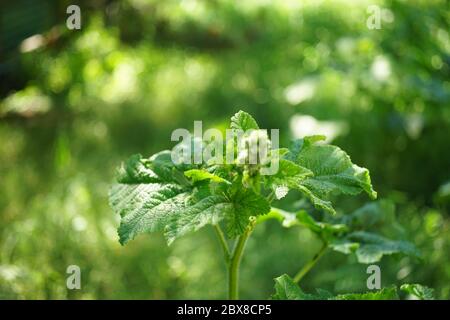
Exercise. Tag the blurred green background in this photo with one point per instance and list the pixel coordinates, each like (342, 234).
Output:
(74, 104)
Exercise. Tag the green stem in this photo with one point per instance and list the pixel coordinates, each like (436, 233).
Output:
(223, 243)
(271, 196)
(307, 267)
(233, 266)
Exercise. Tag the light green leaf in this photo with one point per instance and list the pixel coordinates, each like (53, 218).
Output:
(289, 174)
(418, 291)
(323, 228)
(287, 289)
(134, 171)
(316, 200)
(243, 121)
(371, 214)
(343, 246)
(383, 294)
(302, 218)
(373, 247)
(210, 210)
(145, 207)
(333, 172)
(201, 174)
(297, 145)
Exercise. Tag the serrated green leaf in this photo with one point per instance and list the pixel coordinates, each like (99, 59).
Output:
(246, 204)
(133, 170)
(289, 169)
(371, 214)
(145, 207)
(161, 163)
(316, 200)
(297, 145)
(383, 294)
(322, 228)
(287, 289)
(333, 172)
(243, 121)
(201, 174)
(373, 247)
(370, 247)
(210, 210)
(343, 246)
(418, 291)
(289, 174)
(302, 218)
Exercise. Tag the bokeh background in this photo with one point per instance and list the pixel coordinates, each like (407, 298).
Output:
(74, 104)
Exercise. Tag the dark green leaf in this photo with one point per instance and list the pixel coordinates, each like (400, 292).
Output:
(246, 204)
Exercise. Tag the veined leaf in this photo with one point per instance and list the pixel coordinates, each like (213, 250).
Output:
(287, 289)
(134, 171)
(289, 219)
(323, 228)
(161, 163)
(343, 246)
(243, 121)
(290, 169)
(418, 291)
(371, 214)
(316, 200)
(368, 247)
(246, 204)
(145, 207)
(201, 174)
(383, 294)
(372, 247)
(333, 172)
(289, 174)
(191, 218)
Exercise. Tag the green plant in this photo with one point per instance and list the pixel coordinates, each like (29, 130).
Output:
(155, 194)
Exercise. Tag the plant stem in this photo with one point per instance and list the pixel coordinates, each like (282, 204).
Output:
(307, 267)
(223, 243)
(233, 266)
(271, 196)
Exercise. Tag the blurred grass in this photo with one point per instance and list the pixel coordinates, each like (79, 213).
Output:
(74, 104)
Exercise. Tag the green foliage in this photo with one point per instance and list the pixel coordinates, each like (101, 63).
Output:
(151, 196)
(243, 121)
(345, 235)
(418, 291)
(75, 104)
(333, 172)
(371, 247)
(177, 206)
(287, 289)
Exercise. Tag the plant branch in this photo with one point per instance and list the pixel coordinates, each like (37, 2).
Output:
(223, 243)
(271, 196)
(233, 267)
(307, 267)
